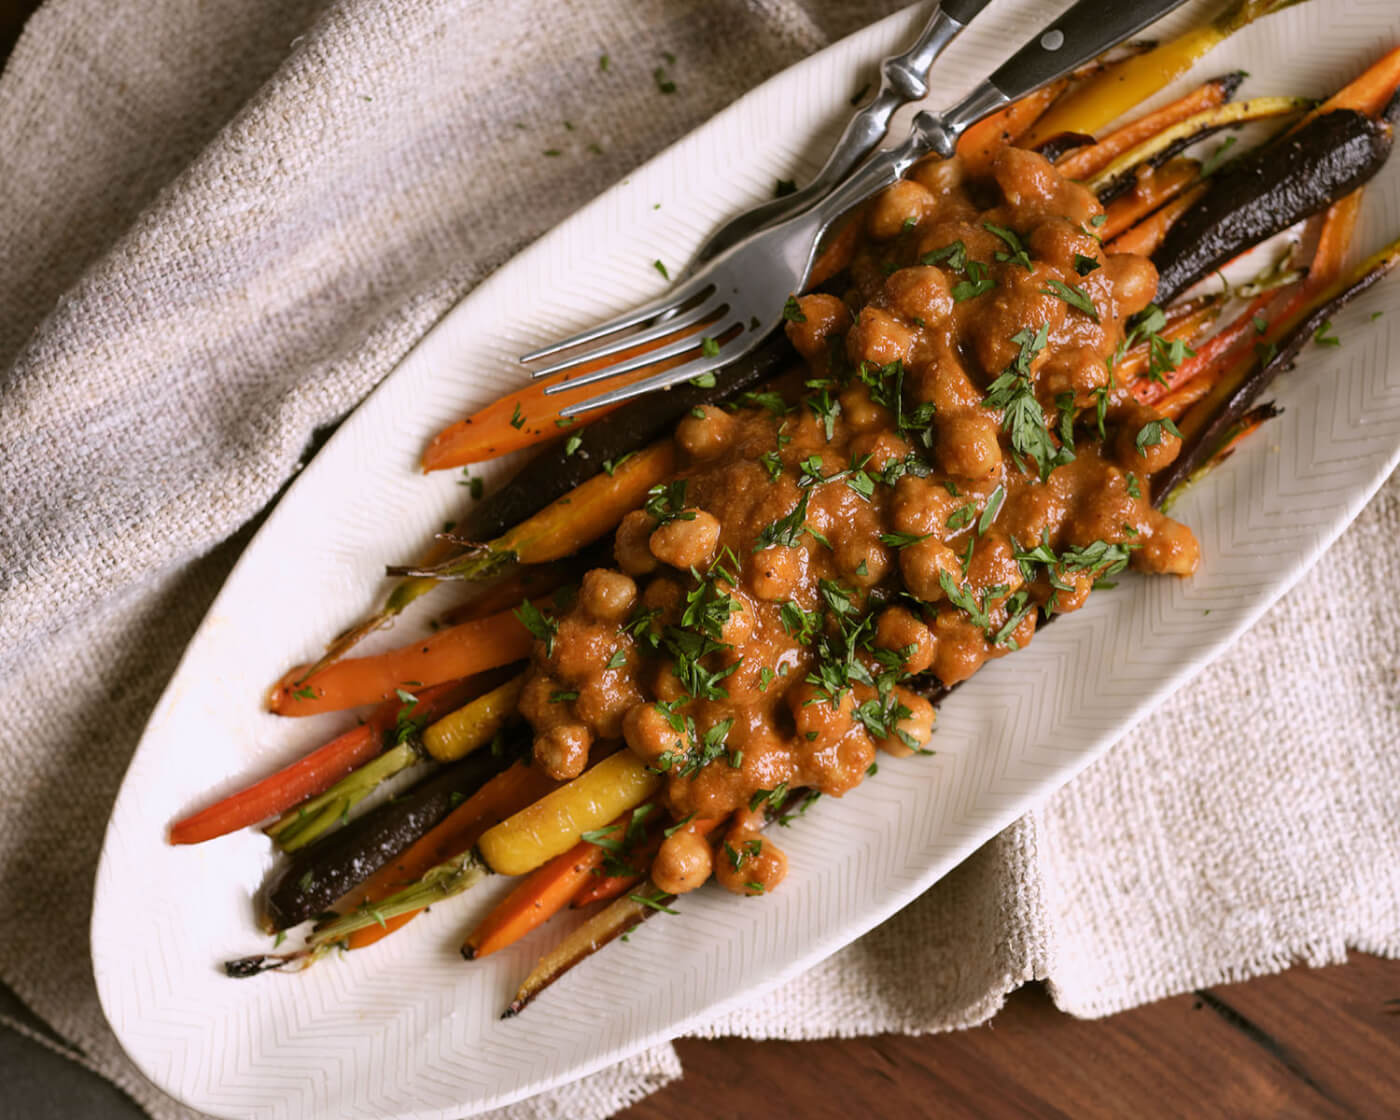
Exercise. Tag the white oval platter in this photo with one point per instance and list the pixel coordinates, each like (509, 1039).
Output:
(407, 1029)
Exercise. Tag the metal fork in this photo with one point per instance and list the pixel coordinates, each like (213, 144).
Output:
(903, 78)
(739, 296)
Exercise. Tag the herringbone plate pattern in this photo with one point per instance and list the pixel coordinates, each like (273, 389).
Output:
(408, 1029)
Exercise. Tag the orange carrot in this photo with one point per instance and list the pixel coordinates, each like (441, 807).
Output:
(527, 416)
(1144, 237)
(472, 647)
(1210, 354)
(1153, 188)
(540, 895)
(1370, 93)
(981, 143)
(1080, 163)
(1173, 404)
(504, 795)
(1190, 327)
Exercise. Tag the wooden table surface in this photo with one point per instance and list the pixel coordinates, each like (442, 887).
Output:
(1305, 1043)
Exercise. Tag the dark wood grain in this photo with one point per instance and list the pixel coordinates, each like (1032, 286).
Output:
(1307, 1042)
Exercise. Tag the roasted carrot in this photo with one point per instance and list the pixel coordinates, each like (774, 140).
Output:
(1176, 402)
(1106, 180)
(312, 775)
(278, 792)
(472, 647)
(1120, 86)
(1189, 327)
(529, 416)
(1236, 389)
(613, 921)
(504, 795)
(1238, 337)
(590, 510)
(1153, 187)
(541, 895)
(980, 143)
(514, 587)
(1083, 162)
(1144, 237)
(1371, 93)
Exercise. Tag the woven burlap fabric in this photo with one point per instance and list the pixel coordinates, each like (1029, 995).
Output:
(223, 223)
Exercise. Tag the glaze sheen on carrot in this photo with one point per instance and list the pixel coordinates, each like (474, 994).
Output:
(1152, 188)
(1092, 158)
(471, 647)
(530, 416)
(538, 897)
(278, 792)
(980, 143)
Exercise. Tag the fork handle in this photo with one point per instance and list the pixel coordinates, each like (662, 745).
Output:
(1076, 37)
(1086, 30)
(903, 78)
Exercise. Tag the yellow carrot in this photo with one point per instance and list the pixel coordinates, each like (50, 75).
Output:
(557, 821)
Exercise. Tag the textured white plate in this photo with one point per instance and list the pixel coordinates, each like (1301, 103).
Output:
(407, 1029)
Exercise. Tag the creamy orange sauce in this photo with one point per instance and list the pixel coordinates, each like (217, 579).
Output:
(898, 513)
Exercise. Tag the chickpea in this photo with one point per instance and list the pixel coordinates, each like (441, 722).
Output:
(776, 571)
(920, 563)
(861, 560)
(899, 629)
(1171, 548)
(562, 752)
(1134, 281)
(902, 202)
(879, 449)
(630, 547)
(648, 731)
(740, 623)
(939, 176)
(920, 294)
(968, 443)
(666, 595)
(607, 595)
(604, 700)
(822, 317)
(920, 505)
(880, 338)
(912, 731)
(1153, 454)
(683, 862)
(687, 543)
(750, 864)
(580, 647)
(994, 563)
(960, 648)
(818, 718)
(706, 435)
(859, 411)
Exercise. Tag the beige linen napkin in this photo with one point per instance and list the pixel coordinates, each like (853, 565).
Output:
(223, 223)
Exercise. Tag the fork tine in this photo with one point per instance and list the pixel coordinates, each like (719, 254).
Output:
(640, 361)
(733, 351)
(669, 325)
(676, 297)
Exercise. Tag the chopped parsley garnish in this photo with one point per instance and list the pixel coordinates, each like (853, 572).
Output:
(710, 348)
(787, 531)
(771, 797)
(663, 83)
(1134, 489)
(517, 418)
(661, 268)
(705, 380)
(617, 660)
(979, 280)
(656, 901)
(772, 462)
(1022, 415)
(991, 509)
(666, 502)
(1325, 336)
(541, 625)
(954, 255)
(1151, 433)
(1084, 265)
(1018, 254)
(785, 187)
(563, 695)
(902, 540)
(792, 311)
(572, 444)
(1076, 297)
(964, 600)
